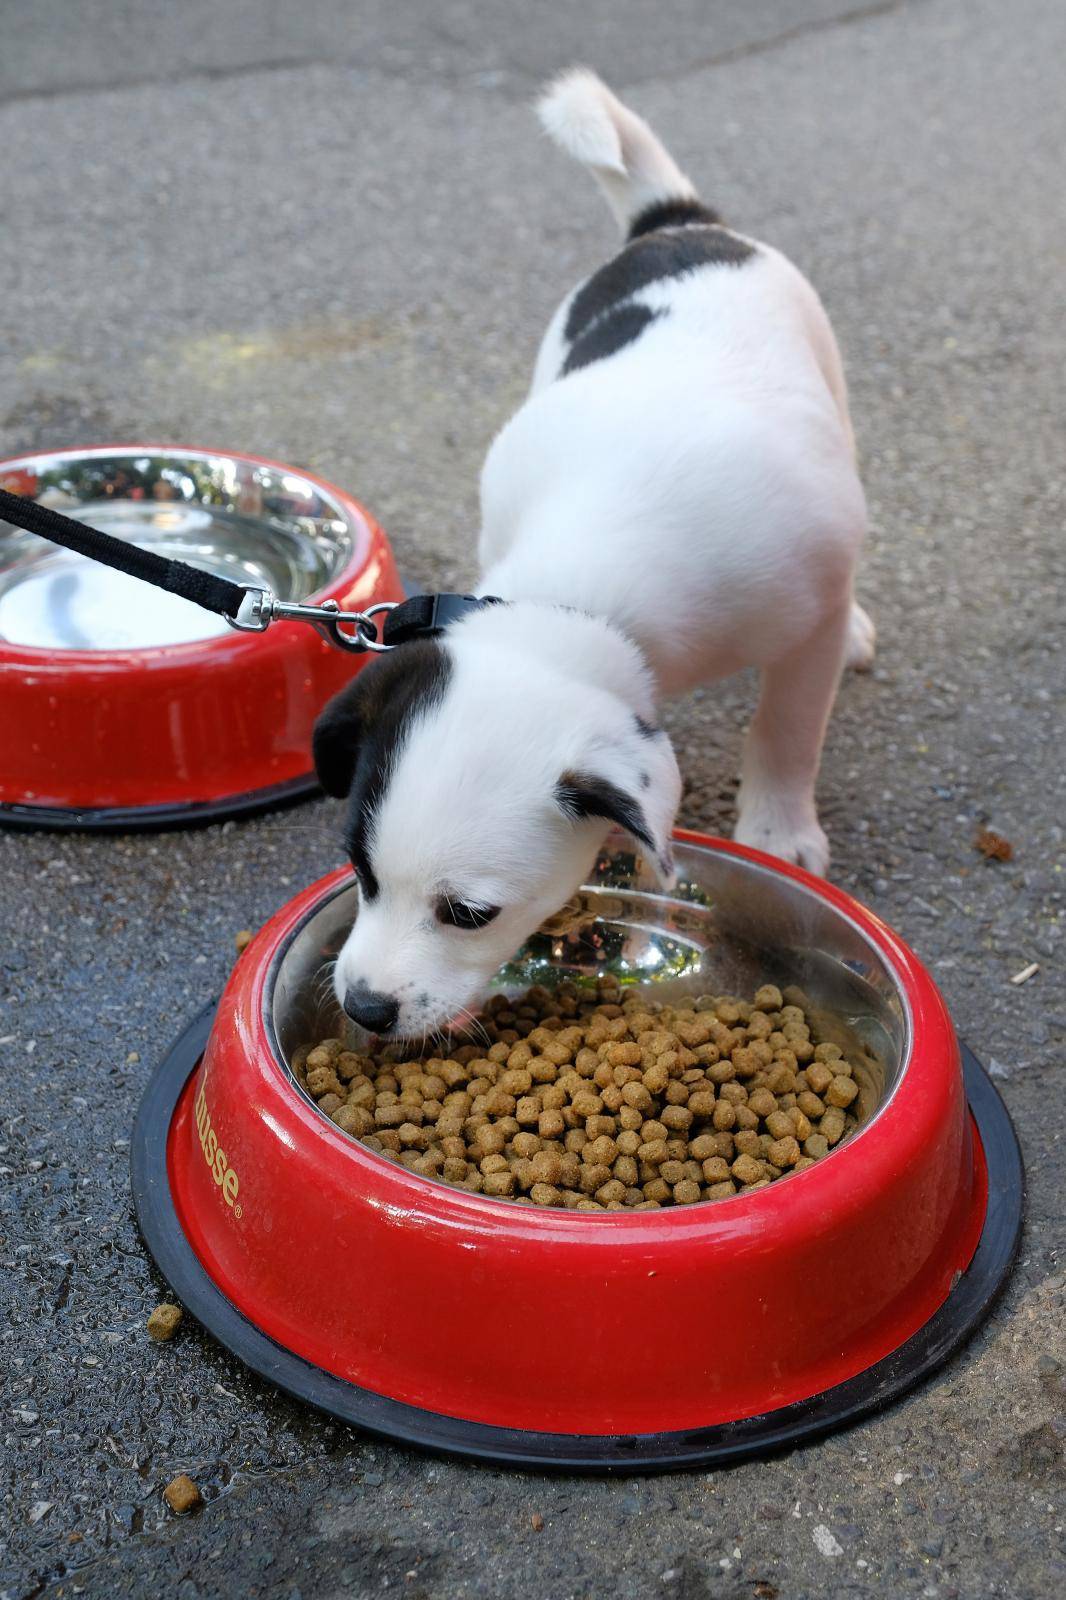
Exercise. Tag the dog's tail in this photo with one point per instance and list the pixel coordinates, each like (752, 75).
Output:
(636, 173)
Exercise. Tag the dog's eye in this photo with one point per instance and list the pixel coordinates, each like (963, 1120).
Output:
(456, 914)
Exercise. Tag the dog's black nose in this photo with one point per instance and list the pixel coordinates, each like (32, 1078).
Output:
(372, 1010)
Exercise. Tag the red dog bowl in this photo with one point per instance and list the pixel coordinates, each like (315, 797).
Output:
(123, 706)
(622, 1339)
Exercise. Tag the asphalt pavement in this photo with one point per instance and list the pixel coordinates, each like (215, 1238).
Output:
(331, 234)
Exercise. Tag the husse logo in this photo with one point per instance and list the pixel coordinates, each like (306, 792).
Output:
(215, 1156)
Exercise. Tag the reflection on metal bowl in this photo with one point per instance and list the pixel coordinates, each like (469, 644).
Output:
(124, 706)
(725, 928)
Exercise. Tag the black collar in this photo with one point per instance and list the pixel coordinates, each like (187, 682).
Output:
(424, 616)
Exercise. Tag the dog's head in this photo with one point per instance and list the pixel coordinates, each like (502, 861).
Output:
(478, 795)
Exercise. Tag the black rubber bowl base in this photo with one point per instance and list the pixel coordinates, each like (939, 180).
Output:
(151, 819)
(961, 1314)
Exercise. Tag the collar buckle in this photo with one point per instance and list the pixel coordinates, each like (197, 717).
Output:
(260, 607)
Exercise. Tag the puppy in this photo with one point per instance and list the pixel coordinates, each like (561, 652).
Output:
(676, 499)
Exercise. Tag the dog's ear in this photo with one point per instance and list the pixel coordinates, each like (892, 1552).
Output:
(336, 739)
(635, 785)
(369, 716)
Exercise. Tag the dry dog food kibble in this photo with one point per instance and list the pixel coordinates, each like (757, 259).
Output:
(599, 1100)
(181, 1494)
(164, 1320)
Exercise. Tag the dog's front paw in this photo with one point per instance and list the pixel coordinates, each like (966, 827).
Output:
(862, 640)
(801, 841)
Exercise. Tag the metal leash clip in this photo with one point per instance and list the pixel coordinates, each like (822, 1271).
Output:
(261, 607)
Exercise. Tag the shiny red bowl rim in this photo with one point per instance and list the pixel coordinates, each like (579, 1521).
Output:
(189, 651)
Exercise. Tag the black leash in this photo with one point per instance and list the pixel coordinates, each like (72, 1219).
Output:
(202, 588)
(250, 610)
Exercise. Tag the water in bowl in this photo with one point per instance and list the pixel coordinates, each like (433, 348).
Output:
(54, 599)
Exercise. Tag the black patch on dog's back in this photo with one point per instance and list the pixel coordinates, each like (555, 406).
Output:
(359, 733)
(602, 318)
(609, 334)
(651, 259)
(672, 214)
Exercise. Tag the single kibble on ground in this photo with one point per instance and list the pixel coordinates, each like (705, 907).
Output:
(164, 1320)
(243, 939)
(181, 1494)
(599, 1098)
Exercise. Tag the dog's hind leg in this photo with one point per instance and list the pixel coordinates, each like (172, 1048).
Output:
(862, 640)
(776, 806)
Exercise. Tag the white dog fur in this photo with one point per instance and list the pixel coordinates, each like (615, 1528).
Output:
(677, 499)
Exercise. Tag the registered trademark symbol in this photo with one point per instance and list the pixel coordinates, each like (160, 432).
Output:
(237, 1212)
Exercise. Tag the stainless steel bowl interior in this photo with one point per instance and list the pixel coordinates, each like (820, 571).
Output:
(727, 927)
(258, 525)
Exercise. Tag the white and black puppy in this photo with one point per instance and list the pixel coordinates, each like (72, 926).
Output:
(677, 499)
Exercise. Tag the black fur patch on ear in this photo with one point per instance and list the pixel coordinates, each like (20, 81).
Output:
(335, 741)
(580, 795)
(359, 732)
